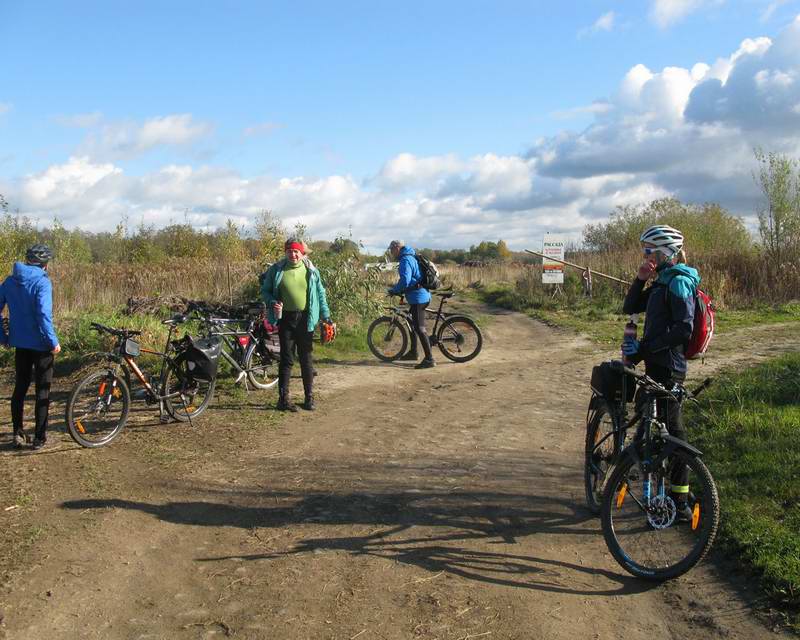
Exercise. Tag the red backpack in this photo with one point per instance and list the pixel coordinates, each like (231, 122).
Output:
(703, 329)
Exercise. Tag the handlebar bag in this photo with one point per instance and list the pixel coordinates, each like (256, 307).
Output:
(131, 348)
(608, 382)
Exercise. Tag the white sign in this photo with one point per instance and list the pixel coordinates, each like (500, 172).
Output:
(552, 247)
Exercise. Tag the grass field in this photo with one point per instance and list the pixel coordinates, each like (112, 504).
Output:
(748, 430)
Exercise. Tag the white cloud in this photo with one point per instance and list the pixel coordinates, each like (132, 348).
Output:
(126, 139)
(80, 120)
(597, 107)
(665, 13)
(603, 23)
(261, 129)
(5, 107)
(767, 14)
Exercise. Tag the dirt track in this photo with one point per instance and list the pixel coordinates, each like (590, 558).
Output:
(440, 504)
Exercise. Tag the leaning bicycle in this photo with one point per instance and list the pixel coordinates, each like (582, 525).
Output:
(98, 405)
(249, 343)
(457, 336)
(660, 507)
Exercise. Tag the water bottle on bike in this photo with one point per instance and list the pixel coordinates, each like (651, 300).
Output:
(629, 334)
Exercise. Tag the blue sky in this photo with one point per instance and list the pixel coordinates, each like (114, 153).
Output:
(443, 123)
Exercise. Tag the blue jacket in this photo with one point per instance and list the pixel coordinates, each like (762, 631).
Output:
(410, 276)
(669, 307)
(317, 305)
(29, 296)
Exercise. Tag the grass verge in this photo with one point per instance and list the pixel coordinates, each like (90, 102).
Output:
(604, 324)
(748, 432)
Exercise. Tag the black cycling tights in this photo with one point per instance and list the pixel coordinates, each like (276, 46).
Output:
(36, 365)
(418, 325)
(671, 413)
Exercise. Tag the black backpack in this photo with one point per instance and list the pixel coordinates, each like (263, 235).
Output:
(429, 274)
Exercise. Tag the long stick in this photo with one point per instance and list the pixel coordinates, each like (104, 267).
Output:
(577, 266)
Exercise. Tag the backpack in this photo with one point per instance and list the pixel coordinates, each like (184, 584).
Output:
(429, 274)
(703, 327)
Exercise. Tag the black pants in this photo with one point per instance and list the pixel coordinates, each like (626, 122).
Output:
(672, 414)
(36, 365)
(293, 331)
(419, 330)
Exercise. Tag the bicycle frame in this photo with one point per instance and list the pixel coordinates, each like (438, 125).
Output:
(399, 311)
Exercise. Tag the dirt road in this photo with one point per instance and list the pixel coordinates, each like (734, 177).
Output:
(440, 504)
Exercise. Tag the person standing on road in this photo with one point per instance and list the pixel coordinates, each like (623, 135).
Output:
(29, 296)
(417, 297)
(295, 297)
(669, 304)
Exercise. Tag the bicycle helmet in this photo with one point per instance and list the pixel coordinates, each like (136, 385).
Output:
(38, 254)
(667, 240)
(327, 331)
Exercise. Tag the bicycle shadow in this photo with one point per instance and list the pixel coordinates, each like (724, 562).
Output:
(457, 519)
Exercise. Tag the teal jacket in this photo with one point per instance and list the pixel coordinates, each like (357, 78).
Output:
(317, 304)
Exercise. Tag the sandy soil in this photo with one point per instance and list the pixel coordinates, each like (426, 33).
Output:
(441, 504)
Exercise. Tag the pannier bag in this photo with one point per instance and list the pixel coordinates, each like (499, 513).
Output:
(202, 357)
(607, 382)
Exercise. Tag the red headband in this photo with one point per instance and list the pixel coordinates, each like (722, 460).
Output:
(297, 246)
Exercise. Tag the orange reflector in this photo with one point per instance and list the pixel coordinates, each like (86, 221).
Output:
(116, 392)
(190, 409)
(102, 389)
(80, 426)
(621, 495)
(695, 516)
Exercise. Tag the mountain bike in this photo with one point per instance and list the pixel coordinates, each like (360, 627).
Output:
(98, 405)
(660, 507)
(458, 337)
(249, 344)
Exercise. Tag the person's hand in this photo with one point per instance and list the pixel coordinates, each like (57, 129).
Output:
(277, 306)
(630, 346)
(57, 350)
(646, 271)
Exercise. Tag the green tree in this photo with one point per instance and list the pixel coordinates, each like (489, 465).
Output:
(779, 217)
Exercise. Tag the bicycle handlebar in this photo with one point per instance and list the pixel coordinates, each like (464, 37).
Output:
(648, 382)
(123, 333)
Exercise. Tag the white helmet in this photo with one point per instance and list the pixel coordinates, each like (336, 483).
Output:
(668, 240)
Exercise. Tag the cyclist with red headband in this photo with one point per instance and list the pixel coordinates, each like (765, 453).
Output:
(295, 297)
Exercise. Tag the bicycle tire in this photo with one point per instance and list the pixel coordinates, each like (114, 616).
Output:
(707, 510)
(264, 375)
(450, 335)
(84, 414)
(189, 388)
(599, 454)
(387, 338)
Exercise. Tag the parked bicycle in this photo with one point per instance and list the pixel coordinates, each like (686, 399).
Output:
(250, 344)
(98, 406)
(458, 337)
(651, 532)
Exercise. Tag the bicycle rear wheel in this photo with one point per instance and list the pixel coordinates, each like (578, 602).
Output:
(459, 338)
(663, 539)
(97, 408)
(602, 446)
(186, 397)
(387, 338)
(261, 367)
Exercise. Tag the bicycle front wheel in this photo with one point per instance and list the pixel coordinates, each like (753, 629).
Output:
(186, 397)
(657, 529)
(459, 338)
(602, 446)
(97, 408)
(387, 338)
(261, 367)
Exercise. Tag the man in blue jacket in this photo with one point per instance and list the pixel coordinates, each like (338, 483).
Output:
(417, 298)
(29, 296)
